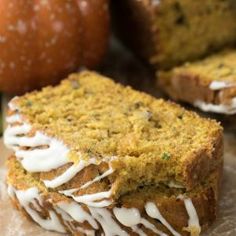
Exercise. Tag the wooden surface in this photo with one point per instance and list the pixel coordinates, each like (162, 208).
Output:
(122, 66)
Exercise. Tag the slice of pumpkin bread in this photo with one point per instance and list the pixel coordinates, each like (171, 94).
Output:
(152, 210)
(89, 133)
(209, 84)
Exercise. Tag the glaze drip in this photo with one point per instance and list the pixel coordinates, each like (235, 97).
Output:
(113, 221)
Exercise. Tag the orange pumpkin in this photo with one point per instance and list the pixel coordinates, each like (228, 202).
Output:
(43, 40)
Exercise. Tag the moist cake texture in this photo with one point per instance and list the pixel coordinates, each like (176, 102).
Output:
(92, 157)
(209, 84)
(146, 211)
(169, 32)
(89, 124)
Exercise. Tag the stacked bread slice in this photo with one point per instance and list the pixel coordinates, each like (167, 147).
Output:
(95, 158)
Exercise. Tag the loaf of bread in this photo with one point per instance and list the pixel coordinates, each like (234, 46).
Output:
(166, 33)
(135, 164)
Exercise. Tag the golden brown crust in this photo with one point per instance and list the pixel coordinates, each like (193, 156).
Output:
(202, 166)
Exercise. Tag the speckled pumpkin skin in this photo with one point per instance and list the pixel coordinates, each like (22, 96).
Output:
(41, 41)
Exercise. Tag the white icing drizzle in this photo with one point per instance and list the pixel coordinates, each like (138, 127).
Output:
(193, 217)
(131, 218)
(13, 118)
(221, 108)
(154, 212)
(11, 135)
(77, 213)
(67, 220)
(28, 196)
(73, 212)
(138, 231)
(41, 162)
(98, 178)
(152, 227)
(217, 85)
(104, 217)
(69, 192)
(90, 199)
(36, 160)
(228, 109)
(193, 222)
(68, 174)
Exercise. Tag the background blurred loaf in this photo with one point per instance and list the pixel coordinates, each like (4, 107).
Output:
(169, 32)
